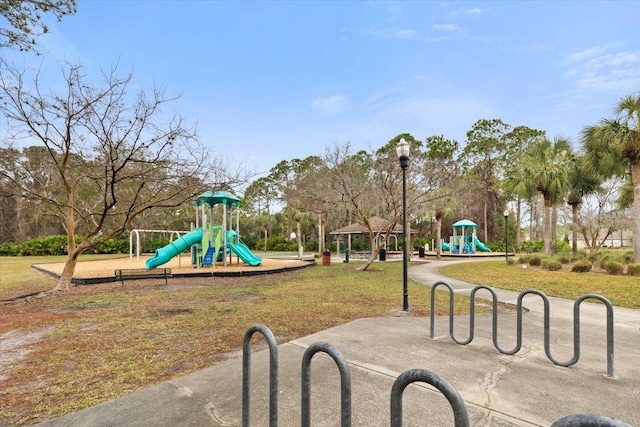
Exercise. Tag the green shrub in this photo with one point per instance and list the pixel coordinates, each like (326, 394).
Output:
(602, 263)
(627, 257)
(155, 241)
(50, 245)
(562, 246)
(524, 259)
(533, 246)
(9, 249)
(581, 267)
(563, 259)
(535, 261)
(112, 246)
(580, 255)
(551, 265)
(511, 261)
(633, 270)
(614, 267)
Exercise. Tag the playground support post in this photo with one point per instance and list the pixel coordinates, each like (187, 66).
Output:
(402, 149)
(506, 236)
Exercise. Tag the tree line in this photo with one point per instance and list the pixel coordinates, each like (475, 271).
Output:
(500, 167)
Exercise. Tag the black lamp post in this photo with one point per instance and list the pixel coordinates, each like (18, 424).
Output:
(506, 236)
(402, 149)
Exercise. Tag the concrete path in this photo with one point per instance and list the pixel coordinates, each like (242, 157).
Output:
(499, 390)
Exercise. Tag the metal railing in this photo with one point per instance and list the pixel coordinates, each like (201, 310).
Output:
(518, 346)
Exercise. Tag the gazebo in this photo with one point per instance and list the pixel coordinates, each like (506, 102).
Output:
(378, 225)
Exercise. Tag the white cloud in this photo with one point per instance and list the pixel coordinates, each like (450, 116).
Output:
(474, 11)
(585, 54)
(446, 27)
(394, 33)
(406, 34)
(334, 104)
(600, 69)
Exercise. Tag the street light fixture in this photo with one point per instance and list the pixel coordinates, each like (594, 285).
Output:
(402, 149)
(506, 236)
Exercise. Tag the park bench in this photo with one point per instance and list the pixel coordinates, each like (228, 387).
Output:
(143, 273)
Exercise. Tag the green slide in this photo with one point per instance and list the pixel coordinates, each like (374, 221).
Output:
(164, 255)
(242, 250)
(245, 254)
(480, 246)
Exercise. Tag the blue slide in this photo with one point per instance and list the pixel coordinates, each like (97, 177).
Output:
(480, 246)
(164, 255)
(445, 246)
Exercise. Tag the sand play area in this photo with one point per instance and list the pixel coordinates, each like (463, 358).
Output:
(178, 265)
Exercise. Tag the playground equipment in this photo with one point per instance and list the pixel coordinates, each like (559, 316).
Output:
(464, 239)
(136, 232)
(209, 243)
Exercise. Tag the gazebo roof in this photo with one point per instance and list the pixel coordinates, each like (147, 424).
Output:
(377, 225)
(213, 198)
(465, 223)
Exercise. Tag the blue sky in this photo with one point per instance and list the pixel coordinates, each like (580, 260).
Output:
(270, 81)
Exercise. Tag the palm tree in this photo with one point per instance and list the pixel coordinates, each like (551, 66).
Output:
(583, 182)
(545, 168)
(612, 148)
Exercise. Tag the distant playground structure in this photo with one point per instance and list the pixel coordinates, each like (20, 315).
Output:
(209, 243)
(464, 239)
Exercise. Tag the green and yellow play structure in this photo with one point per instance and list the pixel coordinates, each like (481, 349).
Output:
(210, 243)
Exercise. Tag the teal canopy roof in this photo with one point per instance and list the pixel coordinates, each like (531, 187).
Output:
(213, 198)
(465, 223)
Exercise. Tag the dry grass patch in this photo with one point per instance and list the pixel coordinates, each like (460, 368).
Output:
(101, 342)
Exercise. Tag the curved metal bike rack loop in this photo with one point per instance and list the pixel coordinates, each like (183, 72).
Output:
(345, 382)
(273, 374)
(460, 415)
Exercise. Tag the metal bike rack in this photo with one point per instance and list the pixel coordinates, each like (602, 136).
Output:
(461, 417)
(545, 300)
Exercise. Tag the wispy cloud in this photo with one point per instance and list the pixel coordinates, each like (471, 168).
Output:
(473, 11)
(330, 105)
(446, 27)
(394, 33)
(601, 68)
(585, 54)
(476, 11)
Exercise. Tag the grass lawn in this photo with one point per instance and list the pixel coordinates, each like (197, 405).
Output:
(99, 342)
(18, 278)
(623, 291)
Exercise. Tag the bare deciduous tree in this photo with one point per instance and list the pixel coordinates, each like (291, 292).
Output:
(112, 155)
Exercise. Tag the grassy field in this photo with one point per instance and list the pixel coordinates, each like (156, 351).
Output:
(96, 343)
(622, 291)
(99, 342)
(17, 277)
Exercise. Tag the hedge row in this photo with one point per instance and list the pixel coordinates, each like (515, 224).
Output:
(57, 245)
(580, 266)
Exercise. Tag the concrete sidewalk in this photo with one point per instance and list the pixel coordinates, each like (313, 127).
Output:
(499, 390)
